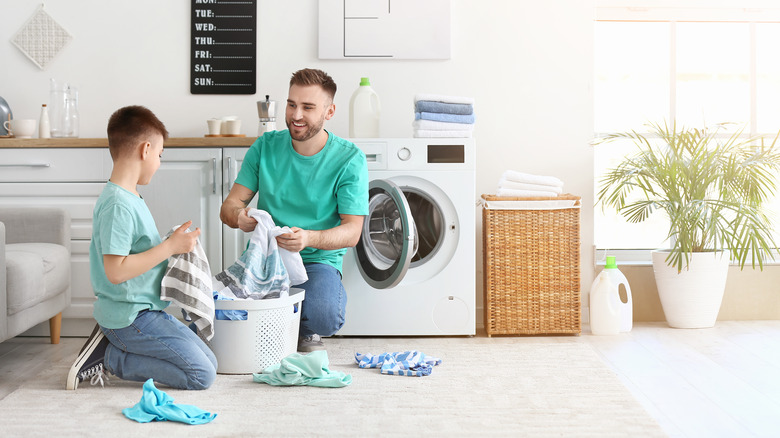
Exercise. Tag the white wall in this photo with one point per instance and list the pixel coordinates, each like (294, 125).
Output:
(528, 64)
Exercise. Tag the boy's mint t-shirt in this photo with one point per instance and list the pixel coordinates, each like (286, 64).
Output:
(307, 192)
(122, 225)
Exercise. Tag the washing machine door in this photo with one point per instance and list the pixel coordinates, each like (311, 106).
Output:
(389, 238)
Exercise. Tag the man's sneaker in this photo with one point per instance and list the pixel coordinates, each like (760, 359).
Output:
(310, 343)
(89, 362)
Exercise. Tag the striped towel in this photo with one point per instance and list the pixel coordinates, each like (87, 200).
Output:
(187, 284)
(263, 270)
(406, 363)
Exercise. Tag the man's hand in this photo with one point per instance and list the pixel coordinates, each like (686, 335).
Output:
(295, 241)
(245, 222)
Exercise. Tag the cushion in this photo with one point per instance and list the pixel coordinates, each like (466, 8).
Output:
(35, 272)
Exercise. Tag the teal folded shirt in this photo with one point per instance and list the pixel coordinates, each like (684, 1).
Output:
(156, 405)
(298, 369)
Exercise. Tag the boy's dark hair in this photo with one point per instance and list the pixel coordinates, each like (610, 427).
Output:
(312, 76)
(131, 125)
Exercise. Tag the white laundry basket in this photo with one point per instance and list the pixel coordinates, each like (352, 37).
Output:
(269, 333)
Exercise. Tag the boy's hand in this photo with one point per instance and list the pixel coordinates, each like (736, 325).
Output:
(246, 223)
(182, 242)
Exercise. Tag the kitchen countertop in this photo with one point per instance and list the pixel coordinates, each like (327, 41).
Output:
(103, 142)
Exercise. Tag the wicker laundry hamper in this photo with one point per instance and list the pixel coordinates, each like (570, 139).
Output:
(531, 265)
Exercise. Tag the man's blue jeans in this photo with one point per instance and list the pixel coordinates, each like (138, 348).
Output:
(158, 346)
(323, 308)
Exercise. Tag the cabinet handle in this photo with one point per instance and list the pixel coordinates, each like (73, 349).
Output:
(230, 173)
(26, 165)
(214, 176)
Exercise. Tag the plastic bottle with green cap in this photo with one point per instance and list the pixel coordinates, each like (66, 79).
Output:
(623, 296)
(364, 111)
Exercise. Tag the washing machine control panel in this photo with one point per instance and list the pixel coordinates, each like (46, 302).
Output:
(410, 154)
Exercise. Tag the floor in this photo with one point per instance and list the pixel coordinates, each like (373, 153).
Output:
(718, 382)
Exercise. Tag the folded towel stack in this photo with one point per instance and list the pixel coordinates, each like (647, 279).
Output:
(520, 184)
(443, 116)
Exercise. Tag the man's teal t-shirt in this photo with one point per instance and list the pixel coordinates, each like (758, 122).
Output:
(122, 225)
(307, 192)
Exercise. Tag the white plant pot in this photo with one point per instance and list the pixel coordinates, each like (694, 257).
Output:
(692, 297)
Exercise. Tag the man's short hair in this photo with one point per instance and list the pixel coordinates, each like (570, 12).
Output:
(131, 125)
(313, 76)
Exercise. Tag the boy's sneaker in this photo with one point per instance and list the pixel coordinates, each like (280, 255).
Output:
(310, 343)
(89, 362)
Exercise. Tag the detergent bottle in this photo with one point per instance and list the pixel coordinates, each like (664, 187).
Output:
(604, 310)
(621, 284)
(364, 111)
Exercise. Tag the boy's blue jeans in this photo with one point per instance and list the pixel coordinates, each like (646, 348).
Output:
(158, 346)
(325, 303)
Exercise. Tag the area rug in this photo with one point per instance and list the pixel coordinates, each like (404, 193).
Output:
(484, 386)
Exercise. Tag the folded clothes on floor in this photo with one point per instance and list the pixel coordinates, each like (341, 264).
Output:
(156, 405)
(444, 98)
(406, 363)
(432, 125)
(441, 107)
(299, 369)
(452, 118)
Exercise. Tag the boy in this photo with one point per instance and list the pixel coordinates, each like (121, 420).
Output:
(135, 339)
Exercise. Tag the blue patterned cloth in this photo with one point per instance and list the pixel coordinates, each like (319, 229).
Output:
(156, 405)
(406, 363)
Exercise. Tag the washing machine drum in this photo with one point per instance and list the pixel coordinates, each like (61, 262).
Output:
(389, 239)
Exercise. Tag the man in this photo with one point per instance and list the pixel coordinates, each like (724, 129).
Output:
(315, 183)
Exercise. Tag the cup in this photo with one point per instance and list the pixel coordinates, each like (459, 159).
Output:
(232, 127)
(215, 126)
(20, 128)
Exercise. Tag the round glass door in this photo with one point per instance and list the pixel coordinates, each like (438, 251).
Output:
(389, 238)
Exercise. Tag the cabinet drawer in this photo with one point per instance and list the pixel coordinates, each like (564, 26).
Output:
(54, 165)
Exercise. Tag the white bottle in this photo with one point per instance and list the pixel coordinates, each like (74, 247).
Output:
(618, 280)
(364, 111)
(604, 312)
(44, 129)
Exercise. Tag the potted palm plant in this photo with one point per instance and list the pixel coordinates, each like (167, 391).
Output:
(713, 189)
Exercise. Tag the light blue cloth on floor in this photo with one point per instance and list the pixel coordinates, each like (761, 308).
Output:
(405, 363)
(299, 369)
(441, 107)
(439, 117)
(156, 405)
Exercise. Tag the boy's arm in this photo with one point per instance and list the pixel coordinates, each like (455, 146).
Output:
(122, 268)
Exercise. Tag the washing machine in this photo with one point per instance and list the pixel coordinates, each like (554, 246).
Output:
(413, 271)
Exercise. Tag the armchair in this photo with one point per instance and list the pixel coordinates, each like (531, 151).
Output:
(35, 268)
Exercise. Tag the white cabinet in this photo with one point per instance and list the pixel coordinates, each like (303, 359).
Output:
(187, 187)
(190, 184)
(68, 178)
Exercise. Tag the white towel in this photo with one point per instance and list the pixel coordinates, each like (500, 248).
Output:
(443, 98)
(426, 133)
(187, 283)
(514, 185)
(433, 125)
(264, 270)
(525, 193)
(511, 175)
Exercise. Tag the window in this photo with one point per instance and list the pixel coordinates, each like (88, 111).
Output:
(698, 66)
